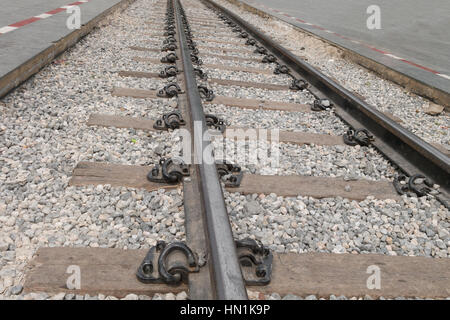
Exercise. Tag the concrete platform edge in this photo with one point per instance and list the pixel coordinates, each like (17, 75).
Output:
(413, 85)
(24, 71)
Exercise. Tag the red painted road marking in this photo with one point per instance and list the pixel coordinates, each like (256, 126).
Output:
(24, 22)
(419, 66)
(55, 11)
(45, 15)
(318, 27)
(375, 49)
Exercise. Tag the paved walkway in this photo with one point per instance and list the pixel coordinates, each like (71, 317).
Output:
(28, 27)
(414, 38)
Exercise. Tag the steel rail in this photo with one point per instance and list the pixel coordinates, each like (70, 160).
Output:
(403, 148)
(227, 274)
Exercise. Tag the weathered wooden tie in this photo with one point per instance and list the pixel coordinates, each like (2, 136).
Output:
(259, 104)
(96, 173)
(316, 187)
(229, 101)
(205, 48)
(111, 271)
(117, 175)
(213, 66)
(108, 120)
(223, 82)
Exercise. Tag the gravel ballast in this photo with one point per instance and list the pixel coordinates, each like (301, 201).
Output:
(43, 135)
(412, 226)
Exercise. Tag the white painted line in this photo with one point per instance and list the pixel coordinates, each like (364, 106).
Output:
(328, 31)
(7, 29)
(443, 76)
(43, 16)
(309, 24)
(25, 22)
(392, 56)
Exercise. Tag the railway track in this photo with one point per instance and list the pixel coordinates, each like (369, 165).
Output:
(272, 154)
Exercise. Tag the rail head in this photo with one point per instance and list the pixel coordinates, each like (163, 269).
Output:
(228, 279)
